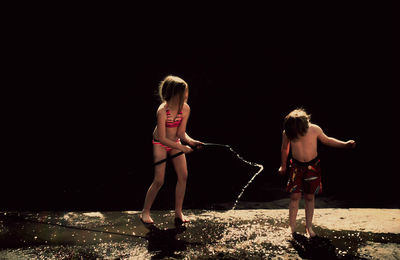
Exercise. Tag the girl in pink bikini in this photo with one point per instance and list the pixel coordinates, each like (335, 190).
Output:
(172, 116)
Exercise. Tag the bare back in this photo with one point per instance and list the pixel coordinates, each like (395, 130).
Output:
(304, 149)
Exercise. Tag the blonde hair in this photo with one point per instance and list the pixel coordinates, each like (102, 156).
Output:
(172, 86)
(296, 123)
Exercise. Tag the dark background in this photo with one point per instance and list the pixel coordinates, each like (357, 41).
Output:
(80, 102)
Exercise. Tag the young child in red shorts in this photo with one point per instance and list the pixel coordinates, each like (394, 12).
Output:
(302, 136)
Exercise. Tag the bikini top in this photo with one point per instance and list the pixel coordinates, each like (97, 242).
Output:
(171, 122)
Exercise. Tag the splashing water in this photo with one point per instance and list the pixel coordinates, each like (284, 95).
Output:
(260, 166)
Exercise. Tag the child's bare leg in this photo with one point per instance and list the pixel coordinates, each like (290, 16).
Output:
(159, 173)
(309, 208)
(293, 208)
(182, 173)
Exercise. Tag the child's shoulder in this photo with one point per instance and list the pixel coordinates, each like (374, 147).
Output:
(185, 107)
(162, 107)
(314, 128)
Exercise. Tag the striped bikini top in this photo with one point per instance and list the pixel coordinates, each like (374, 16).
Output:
(171, 122)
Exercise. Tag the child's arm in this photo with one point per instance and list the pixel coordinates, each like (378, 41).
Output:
(284, 153)
(187, 139)
(330, 141)
(161, 118)
(181, 133)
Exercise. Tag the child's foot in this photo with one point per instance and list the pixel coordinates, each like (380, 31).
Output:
(292, 230)
(146, 219)
(180, 219)
(310, 233)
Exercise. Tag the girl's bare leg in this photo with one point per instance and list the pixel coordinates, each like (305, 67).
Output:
(309, 208)
(293, 208)
(159, 153)
(182, 173)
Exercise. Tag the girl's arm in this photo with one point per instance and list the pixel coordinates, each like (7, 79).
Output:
(330, 141)
(181, 133)
(284, 152)
(161, 118)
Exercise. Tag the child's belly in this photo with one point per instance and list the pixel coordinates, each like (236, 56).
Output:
(170, 133)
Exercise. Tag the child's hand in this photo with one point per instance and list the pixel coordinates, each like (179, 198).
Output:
(187, 149)
(282, 170)
(351, 144)
(197, 144)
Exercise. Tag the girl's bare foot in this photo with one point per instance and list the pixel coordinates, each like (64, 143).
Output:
(310, 232)
(146, 219)
(180, 218)
(292, 229)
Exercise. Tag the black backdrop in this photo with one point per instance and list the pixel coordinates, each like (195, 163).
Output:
(81, 107)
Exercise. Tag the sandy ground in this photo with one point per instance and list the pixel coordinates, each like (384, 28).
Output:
(234, 234)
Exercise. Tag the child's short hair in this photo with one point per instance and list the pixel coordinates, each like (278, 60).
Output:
(172, 86)
(296, 123)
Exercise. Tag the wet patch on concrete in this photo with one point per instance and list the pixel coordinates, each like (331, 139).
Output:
(234, 234)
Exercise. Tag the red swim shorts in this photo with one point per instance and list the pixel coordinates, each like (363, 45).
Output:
(304, 177)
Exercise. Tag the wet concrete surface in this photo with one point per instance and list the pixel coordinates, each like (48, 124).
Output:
(233, 234)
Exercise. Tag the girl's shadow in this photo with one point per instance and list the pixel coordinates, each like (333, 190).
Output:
(165, 242)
